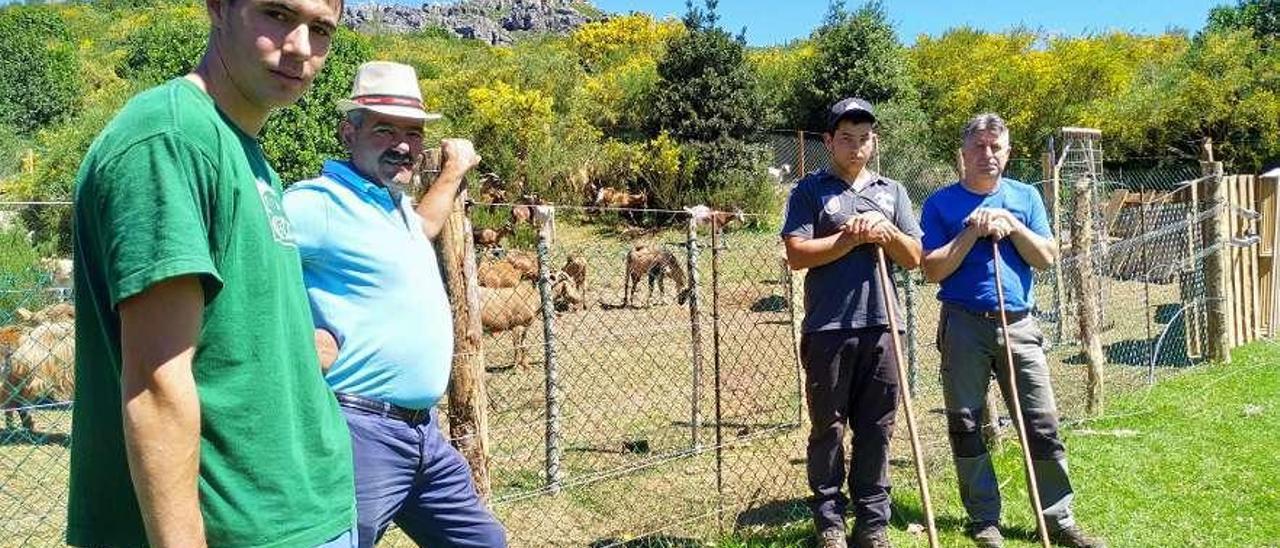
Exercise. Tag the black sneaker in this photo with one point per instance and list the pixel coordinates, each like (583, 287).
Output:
(1073, 537)
(832, 538)
(871, 538)
(985, 535)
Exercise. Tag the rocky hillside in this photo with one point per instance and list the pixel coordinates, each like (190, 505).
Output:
(493, 21)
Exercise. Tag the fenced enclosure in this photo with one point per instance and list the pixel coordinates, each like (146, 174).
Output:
(672, 419)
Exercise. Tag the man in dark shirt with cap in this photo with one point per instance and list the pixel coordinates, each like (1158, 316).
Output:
(835, 217)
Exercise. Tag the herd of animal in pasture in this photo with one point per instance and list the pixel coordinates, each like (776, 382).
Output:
(37, 348)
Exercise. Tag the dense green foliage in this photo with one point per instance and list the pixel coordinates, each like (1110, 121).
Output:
(708, 100)
(39, 81)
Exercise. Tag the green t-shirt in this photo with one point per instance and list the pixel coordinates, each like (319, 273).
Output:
(172, 188)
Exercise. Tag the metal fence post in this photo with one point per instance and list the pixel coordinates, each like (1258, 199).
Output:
(695, 328)
(715, 342)
(790, 277)
(913, 323)
(553, 474)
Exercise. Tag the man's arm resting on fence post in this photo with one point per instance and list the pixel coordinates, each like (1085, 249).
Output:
(941, 262)
(458, 157)
(159, 329)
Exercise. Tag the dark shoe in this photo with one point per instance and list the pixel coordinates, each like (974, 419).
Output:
(985, 535)
(1073, 537)
(832, 538)
(871, 538)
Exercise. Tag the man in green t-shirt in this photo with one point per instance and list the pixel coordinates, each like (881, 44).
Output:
(200, 414)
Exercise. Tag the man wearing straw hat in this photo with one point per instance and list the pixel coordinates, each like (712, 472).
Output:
(379, 306)
(835, 218)
(956, 219)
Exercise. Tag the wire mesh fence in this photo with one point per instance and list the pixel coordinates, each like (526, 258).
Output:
(660, 401)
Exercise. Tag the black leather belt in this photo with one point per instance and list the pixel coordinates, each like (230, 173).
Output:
(990, 315)
(411, 416)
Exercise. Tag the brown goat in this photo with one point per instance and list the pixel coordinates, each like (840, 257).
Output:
(620, 199)
(52, 313)
(657, 264)
(491, 189)
(565, 293)
(576, 268)
(510, 309)
(720, 219)
(507, 271)
(36, 363)
(491, 237)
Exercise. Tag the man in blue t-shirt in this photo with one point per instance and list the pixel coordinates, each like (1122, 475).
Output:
(959, 222)
(835, 219)
(377, 295)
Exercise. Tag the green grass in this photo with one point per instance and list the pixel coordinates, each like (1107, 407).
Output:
(1189, 462)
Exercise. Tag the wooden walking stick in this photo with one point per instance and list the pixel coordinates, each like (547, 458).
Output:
(1032, 487)
(904, 386)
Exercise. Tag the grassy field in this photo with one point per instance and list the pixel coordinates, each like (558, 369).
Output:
(1188, 462)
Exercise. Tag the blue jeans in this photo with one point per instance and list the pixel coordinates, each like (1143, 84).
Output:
(410, 474)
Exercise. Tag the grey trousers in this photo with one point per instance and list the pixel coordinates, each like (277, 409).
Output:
(972, 348)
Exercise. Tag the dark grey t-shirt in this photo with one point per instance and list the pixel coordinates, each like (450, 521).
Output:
(845, 293)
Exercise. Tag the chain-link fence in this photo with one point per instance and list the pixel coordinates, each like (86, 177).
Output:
(670, 417)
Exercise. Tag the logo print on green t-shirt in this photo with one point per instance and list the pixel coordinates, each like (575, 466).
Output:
(281, 230)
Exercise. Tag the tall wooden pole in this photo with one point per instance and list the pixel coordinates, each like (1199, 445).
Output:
(1085, 279)
(468, 400)
(1216, 266)
(904, 386)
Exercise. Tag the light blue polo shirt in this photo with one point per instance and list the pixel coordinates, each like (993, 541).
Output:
(373, 281)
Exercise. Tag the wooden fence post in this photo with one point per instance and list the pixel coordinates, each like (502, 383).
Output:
(1053, 201)
(1217, 347)
(553, 473)
(468, 400)
(695, 328)
(1083, 245)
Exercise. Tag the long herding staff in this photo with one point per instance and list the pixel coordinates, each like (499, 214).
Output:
(1032, 487)
(905, 387)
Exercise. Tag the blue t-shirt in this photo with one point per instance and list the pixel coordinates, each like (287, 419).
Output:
(973, 284)
(373, 281)
(845, 293)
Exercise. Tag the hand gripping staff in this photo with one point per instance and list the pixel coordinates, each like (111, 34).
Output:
(1016, 403)
(904, 387)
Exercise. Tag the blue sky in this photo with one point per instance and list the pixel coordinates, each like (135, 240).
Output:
(771, 22)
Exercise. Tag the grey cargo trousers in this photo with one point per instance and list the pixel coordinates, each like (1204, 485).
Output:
(972, 348)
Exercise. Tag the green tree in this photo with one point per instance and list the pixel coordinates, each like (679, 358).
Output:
(299, 138)
(1226, 87)
(1260, 16)
(708, 99)
(168, 46)
(857, 55)
(39, 81)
